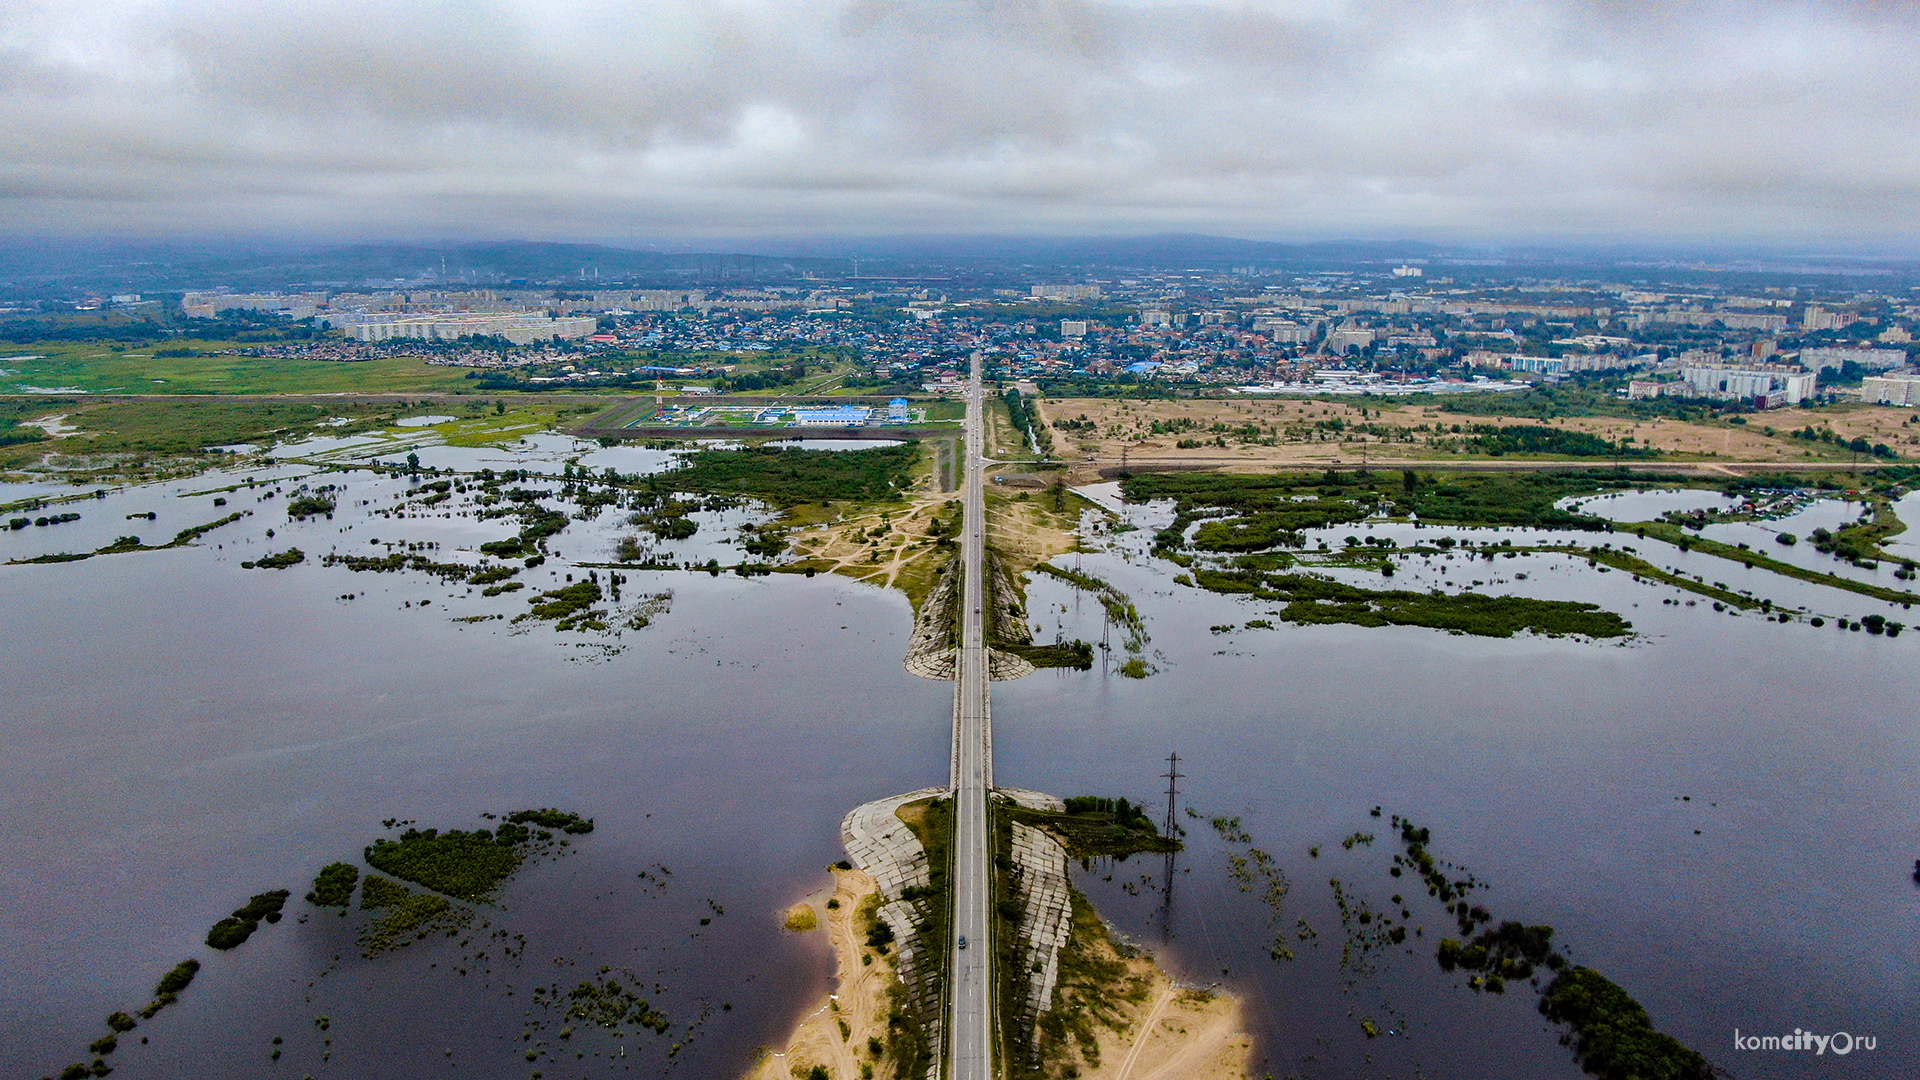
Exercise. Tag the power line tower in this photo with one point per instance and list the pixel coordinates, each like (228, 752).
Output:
(1166, 874)
(1173, 776)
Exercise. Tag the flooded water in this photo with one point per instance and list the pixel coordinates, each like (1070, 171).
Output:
(180, 732)
(1570, 776)
(1645, 505)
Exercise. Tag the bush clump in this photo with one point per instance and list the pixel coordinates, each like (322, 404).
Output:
(381, 892)
(289, 557)
(796, 475)
(1611, 1034)
(553, 819)
(308, 506)
(235, 929)
(167, 991)
(465, 865)
(333, 886)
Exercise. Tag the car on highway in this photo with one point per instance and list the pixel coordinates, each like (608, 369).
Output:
(963, 941)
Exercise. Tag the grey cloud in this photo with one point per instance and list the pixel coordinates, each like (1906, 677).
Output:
(1575, 119)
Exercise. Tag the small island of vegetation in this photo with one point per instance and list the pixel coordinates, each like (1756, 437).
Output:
(235, 929)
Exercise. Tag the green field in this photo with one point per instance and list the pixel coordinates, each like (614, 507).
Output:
(91, 368)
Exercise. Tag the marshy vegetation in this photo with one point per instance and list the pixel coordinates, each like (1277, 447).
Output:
(1007, 629)
(1254, 513)
(1610, 1033)
(1095, 827)
(789, 474)
(454, 865)
(317, 504)
(235, 929)
(1119, 610)
(464, 865)
(1312, 600)
(279, 561)
(334, 885)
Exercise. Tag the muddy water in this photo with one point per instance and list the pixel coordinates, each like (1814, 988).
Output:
(177, 733)
(1571, 776)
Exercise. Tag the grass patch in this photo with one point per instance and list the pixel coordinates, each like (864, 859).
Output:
(568, 607)
(1253, 513)
(932, 823)
(1673, 534)
(1315, 601)
(1095, 827)
(790, 474)
(1096, 986)
(95, 369)
(189, 427)
(801, 919)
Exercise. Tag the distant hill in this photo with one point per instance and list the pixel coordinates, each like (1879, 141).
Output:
(1164, 251)
(55, 269)
(159, 267)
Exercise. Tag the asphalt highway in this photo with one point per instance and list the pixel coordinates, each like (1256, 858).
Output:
(970, 973)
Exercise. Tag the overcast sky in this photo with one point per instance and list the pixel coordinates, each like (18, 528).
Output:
(649, 120)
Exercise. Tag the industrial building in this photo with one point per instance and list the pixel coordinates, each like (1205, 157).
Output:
(832, 416)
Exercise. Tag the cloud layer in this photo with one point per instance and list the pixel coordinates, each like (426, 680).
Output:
(1546, 119)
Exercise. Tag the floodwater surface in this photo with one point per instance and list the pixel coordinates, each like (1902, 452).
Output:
(1717, 813)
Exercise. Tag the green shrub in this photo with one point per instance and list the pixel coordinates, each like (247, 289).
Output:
(333, 886)
(228, 933)
(380, 892)
(466, 865)
(310, 506)
(238, 927)
(289, 557)
(178, 978)
(553, 819)
(1611, 1034)
(800, 475)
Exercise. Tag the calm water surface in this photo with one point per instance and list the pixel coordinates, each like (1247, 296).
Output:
(179, 733)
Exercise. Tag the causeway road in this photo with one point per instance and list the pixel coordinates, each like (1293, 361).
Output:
(970, 969)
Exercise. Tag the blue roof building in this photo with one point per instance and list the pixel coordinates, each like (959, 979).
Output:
(833, 416)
